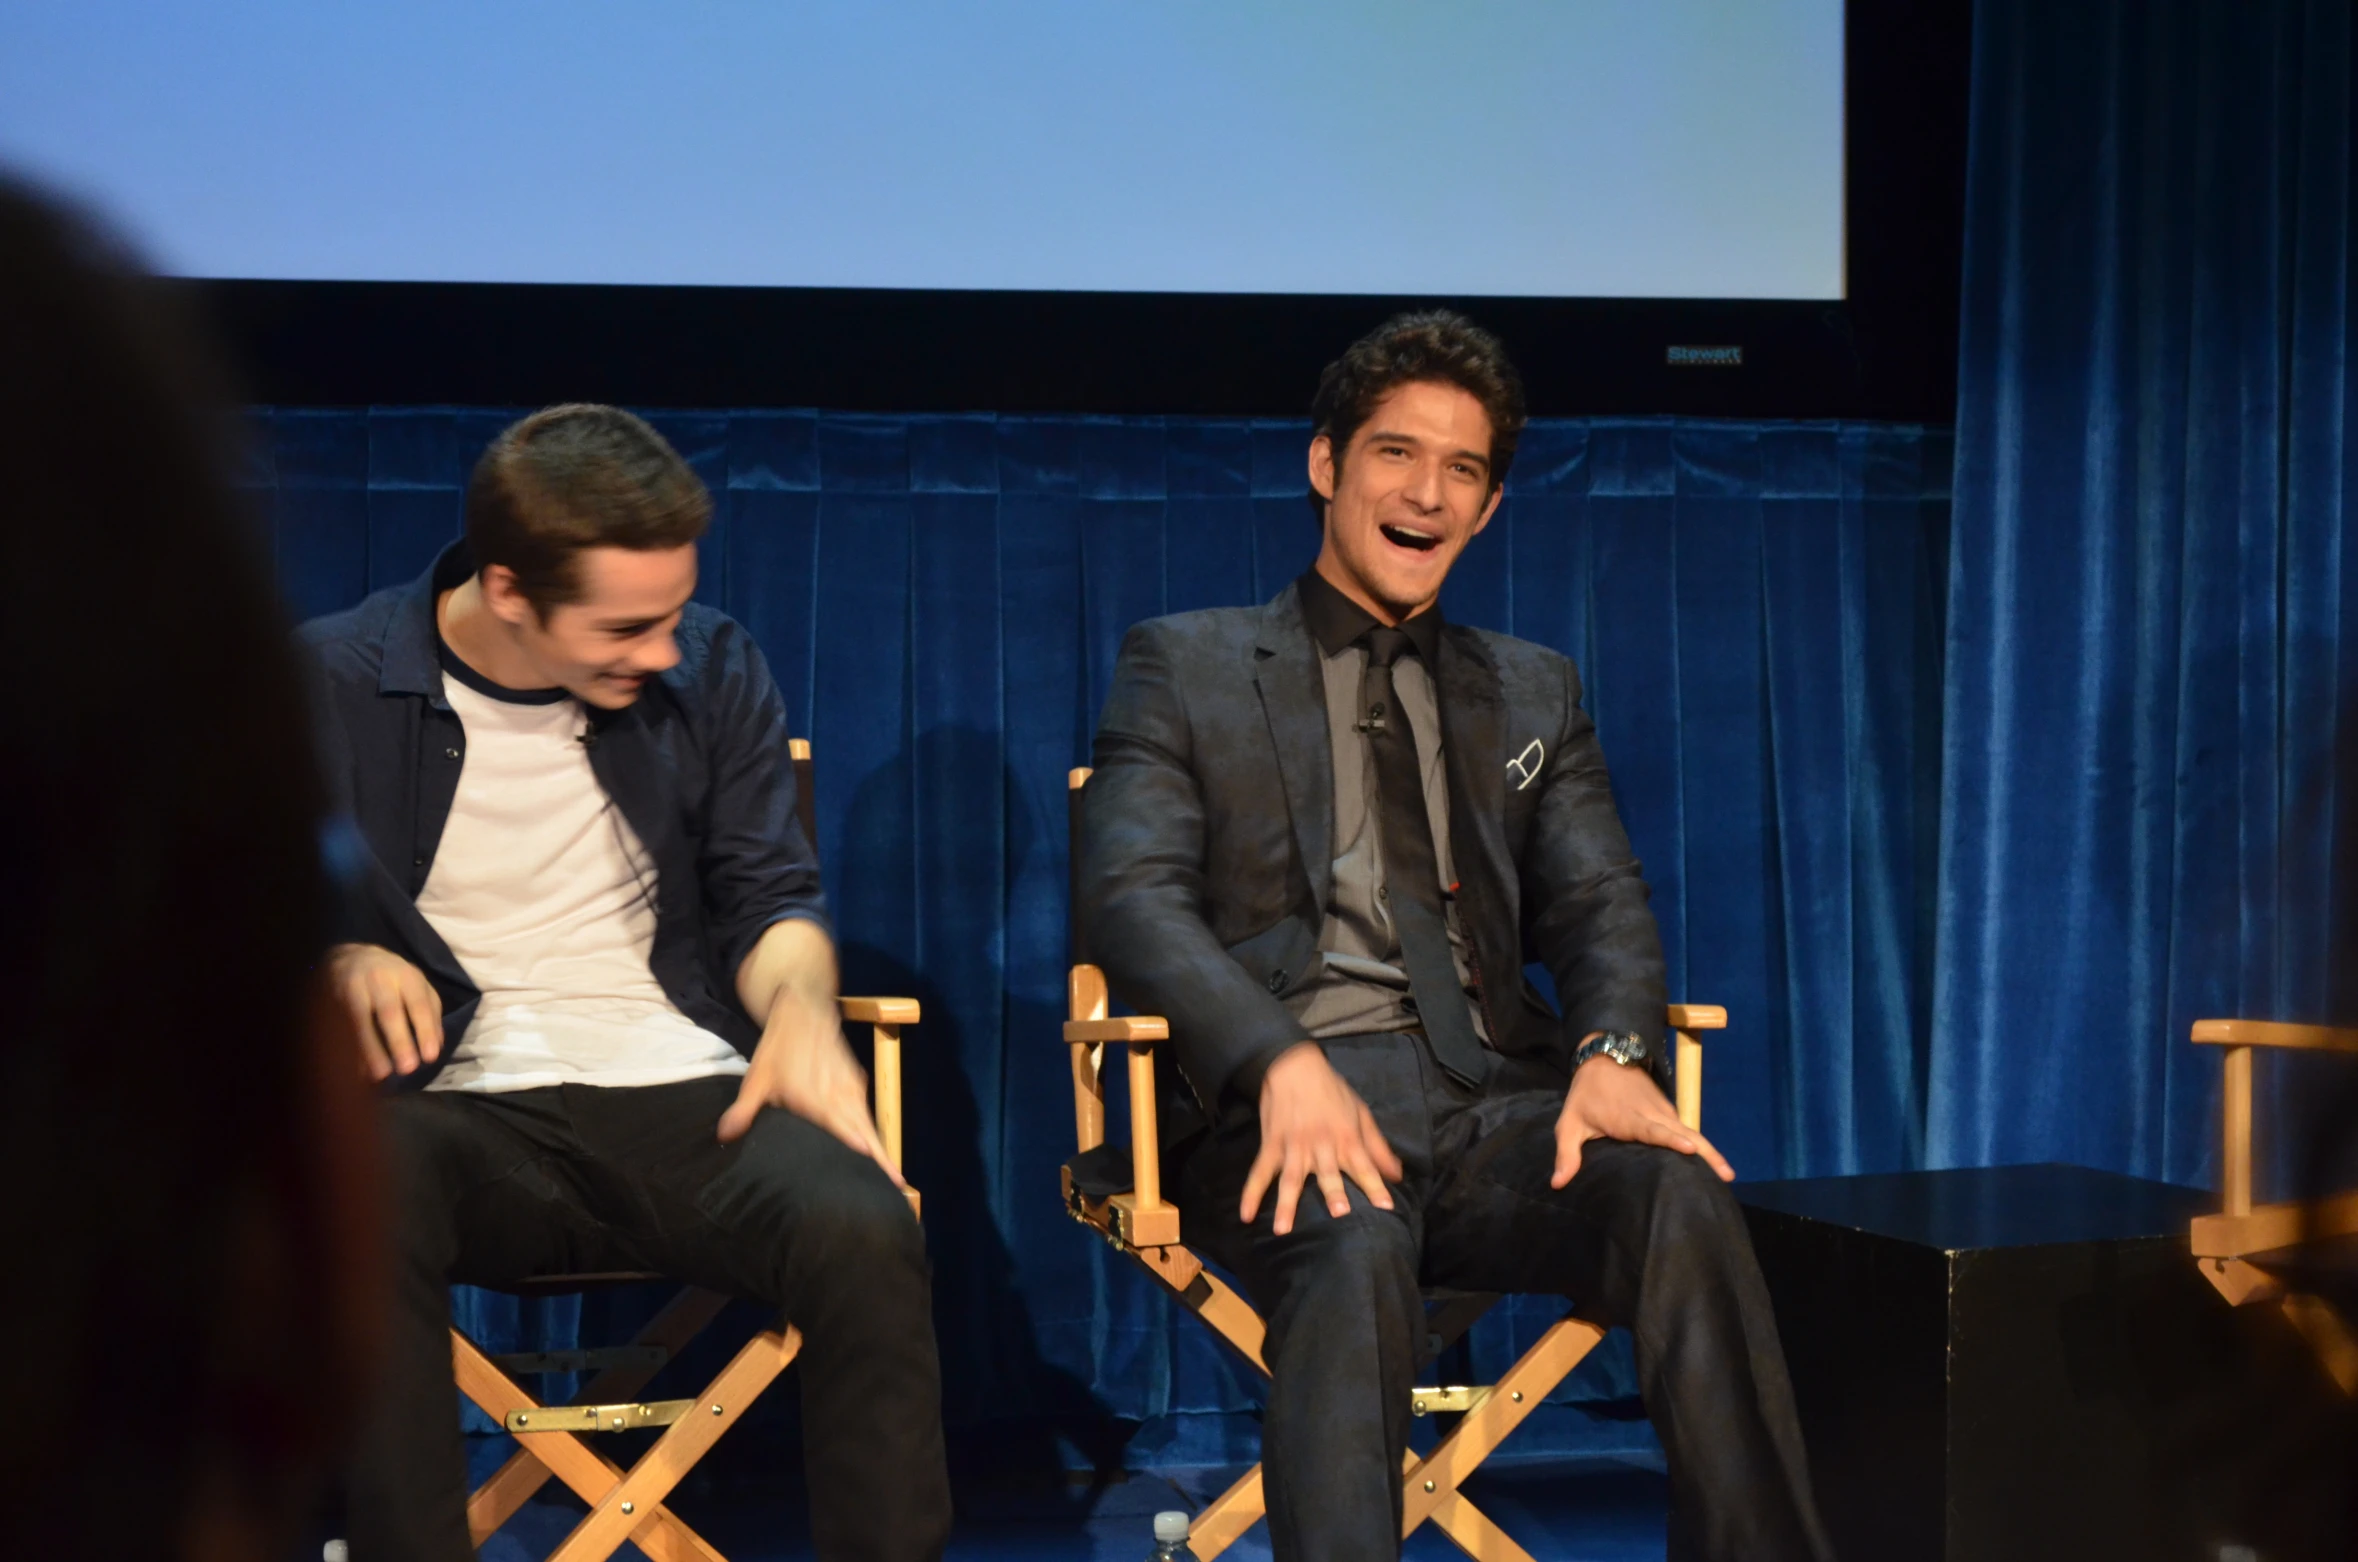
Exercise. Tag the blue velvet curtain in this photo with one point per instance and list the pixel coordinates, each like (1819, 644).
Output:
(2153, 659)
(1757, 609)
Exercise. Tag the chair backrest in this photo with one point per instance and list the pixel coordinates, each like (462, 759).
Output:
(1076, 781)
(1144, 1217)
(806, 801)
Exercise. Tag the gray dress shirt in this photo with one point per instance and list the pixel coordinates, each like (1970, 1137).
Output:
(1362, 985)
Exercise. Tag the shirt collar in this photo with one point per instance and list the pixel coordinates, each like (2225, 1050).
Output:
(1337, 622)
(412, 661)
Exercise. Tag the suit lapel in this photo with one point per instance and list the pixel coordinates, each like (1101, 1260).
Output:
(1473, 732)
(1293, 697)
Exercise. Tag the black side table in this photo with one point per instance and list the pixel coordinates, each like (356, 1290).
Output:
(2019, 1363)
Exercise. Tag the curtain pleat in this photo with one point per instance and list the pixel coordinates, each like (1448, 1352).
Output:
(2152, 697)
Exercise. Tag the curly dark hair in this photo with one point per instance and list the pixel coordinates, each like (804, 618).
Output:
(573, 477)
(1437, 345)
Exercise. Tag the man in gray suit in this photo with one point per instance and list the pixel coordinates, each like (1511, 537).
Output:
(1323, 837)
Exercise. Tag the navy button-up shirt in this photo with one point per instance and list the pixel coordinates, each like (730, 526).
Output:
(698, 765)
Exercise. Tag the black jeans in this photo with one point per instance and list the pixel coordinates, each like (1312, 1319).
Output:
(1642, 1237)
(494, 1189)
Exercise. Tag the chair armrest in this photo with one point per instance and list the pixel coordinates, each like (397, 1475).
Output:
(2276, 1033)
(1686, 1019)
(888, 1015)
(2235, 1112)
(880, 1011)
(1128, 1029)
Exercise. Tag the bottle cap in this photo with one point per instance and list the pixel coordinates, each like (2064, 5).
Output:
(1169, 1527)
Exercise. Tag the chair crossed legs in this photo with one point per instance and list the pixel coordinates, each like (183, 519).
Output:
(1139, 1221)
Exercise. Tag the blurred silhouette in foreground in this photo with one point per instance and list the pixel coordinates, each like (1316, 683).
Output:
(189, 1289)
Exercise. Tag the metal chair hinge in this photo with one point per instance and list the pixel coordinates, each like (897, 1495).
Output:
(598, 1418)
(1435, 1401)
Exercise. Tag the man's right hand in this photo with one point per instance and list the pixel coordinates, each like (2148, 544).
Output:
(1314, 1124)
(393, 1007)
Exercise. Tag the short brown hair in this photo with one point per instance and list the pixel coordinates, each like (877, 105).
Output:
(1437, 345)
(573, 477)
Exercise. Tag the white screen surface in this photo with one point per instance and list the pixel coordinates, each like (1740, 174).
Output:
(1553, 148)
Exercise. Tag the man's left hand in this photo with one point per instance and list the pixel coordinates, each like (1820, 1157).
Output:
(1610, 1100)
(804, 1066)
(802, 1063)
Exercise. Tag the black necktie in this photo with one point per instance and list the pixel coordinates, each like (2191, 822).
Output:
(1412, 875)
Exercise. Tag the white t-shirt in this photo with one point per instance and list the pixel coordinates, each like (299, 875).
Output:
(546, 896)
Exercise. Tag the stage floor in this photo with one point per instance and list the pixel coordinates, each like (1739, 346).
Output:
(1561, 1510)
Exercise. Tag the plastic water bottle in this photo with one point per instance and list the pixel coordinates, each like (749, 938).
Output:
(1170, 1539)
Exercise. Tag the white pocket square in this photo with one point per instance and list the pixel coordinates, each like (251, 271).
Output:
(1524, 767)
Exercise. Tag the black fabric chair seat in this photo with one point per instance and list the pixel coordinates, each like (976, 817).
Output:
(1101, 1173)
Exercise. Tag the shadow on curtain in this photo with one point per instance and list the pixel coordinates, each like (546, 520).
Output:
(1756, 609)
(2152, 764)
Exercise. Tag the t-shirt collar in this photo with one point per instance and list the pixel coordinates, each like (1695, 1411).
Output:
(457, 666)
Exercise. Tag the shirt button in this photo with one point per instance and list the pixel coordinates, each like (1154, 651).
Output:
(450, 753)
(418, 861)
(1277, 981)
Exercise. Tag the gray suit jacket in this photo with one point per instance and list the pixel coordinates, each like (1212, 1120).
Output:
(1206, 840)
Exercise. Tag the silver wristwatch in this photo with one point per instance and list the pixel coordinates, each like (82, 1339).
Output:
(1625, 1047)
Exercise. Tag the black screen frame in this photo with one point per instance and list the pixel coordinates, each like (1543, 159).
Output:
(1887, 351)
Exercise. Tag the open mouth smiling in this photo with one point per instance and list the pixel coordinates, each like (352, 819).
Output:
(1410, 538)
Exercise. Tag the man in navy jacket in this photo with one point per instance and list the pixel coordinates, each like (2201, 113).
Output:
(586, 941)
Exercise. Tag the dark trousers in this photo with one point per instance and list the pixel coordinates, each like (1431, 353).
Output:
(494, 1189)
(1642, 1237)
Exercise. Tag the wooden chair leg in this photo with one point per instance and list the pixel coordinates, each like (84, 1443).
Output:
(1432, 1485)
(618, 1515)
(498, 1499)
(1432, 1482)
(1207, 1296)
(2327, 1335)
(1436, 1477)
(503, 1496)
(661, 1534)
(1475, 1535)
(1236, 1510)
(1228, 1516)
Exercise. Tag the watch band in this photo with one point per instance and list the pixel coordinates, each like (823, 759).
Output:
(1625, 1047)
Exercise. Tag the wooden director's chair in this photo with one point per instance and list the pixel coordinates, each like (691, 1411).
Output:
(2278, 1252)
(552, 1439)
(1140, 1222)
